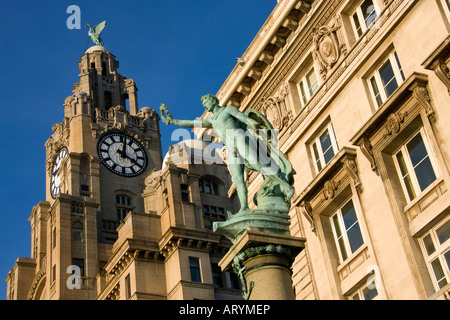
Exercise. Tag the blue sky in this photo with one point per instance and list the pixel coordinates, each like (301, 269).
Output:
(175, 50)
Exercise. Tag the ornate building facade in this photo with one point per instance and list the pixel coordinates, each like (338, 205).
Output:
(359, 91)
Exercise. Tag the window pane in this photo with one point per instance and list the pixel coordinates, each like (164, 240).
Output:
(356, 297)
(376, 91)
(349, 214)
(303, 92)
(370, 294)
(311, 78)
(425, 174)
(443, 232)
(388, 78)
(340, 239)
(438, 272)
(355, 237)
(417, 150)
(194, 266)
(316, 157)
(447, 258)
(429, 245)
(399, 66)
(207, 187)
(200, 186)
(405, 175)
(421, 162)
(368, 11)
(357, 25)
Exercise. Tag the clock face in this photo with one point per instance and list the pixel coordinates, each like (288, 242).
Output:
(55, 180)
(122, 154)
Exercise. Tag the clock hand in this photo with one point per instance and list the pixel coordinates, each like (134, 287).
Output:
(123, 153)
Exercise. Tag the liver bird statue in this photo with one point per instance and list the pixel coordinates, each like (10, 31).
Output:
(94, 33)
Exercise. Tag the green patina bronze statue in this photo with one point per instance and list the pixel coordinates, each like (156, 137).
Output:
(250, 141)
(94, 33)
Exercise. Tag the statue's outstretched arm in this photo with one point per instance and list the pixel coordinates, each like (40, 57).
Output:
(168, 119)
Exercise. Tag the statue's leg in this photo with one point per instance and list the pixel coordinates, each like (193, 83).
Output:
(237, 172)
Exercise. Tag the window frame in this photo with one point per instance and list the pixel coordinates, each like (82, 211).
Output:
(439, 251)
(195, 268)
(360, 292)
(304, 80)
(360, 15)
(411, 172)
(346, 241)
(316, 141)
(399, 77)
(122, 209)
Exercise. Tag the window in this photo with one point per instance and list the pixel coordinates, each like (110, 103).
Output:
(308, 85)
(415, 166)
(208, 186)
(194, 266)
(214, 213)
(323, 148)
(80, 264)
(127, 287)
(54, 237)
(436, 250)
(77, 232)
(184, 192)
(364, 17)
(123, 206)
(367, 292)
(217, 275)
(386, 79)
(346, 230)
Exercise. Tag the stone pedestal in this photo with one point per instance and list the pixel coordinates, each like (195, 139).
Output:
(263, 263)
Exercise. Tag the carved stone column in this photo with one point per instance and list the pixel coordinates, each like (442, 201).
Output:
(263, 263)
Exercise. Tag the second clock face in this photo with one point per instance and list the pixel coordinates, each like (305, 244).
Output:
(55, 180)
(122, 154)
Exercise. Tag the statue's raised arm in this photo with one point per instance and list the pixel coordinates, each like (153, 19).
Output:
(167, 118)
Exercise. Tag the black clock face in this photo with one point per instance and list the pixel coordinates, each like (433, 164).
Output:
(122, 154)
(55, 180)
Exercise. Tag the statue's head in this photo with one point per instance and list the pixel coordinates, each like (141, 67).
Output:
(210, 101)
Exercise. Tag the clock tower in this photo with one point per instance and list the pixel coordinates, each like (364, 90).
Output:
(97, 160)
(118, 221)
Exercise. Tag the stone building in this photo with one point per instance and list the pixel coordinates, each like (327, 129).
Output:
(359, 91)
(118, 222)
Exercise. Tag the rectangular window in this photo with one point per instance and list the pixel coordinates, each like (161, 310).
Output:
(386, 79)
(324, 147)
(364, 17)
(217, 275)
(308, 85)
(127, 287)
(346, 230)
(415, 166)
(214, 213)
(184, 193)
(80, 264)
(194, 266)
(436, 250)
(367, 292)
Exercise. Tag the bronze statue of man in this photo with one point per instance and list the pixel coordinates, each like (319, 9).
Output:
(241, 135)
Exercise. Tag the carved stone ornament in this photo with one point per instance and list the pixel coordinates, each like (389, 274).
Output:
(393, 123)
(326, 46)
(306, 210)
(329, 189)
(367, 150)
(272, 113)
(275, 110)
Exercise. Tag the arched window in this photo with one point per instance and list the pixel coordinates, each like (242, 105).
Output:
(210, 185)
(123, 206)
